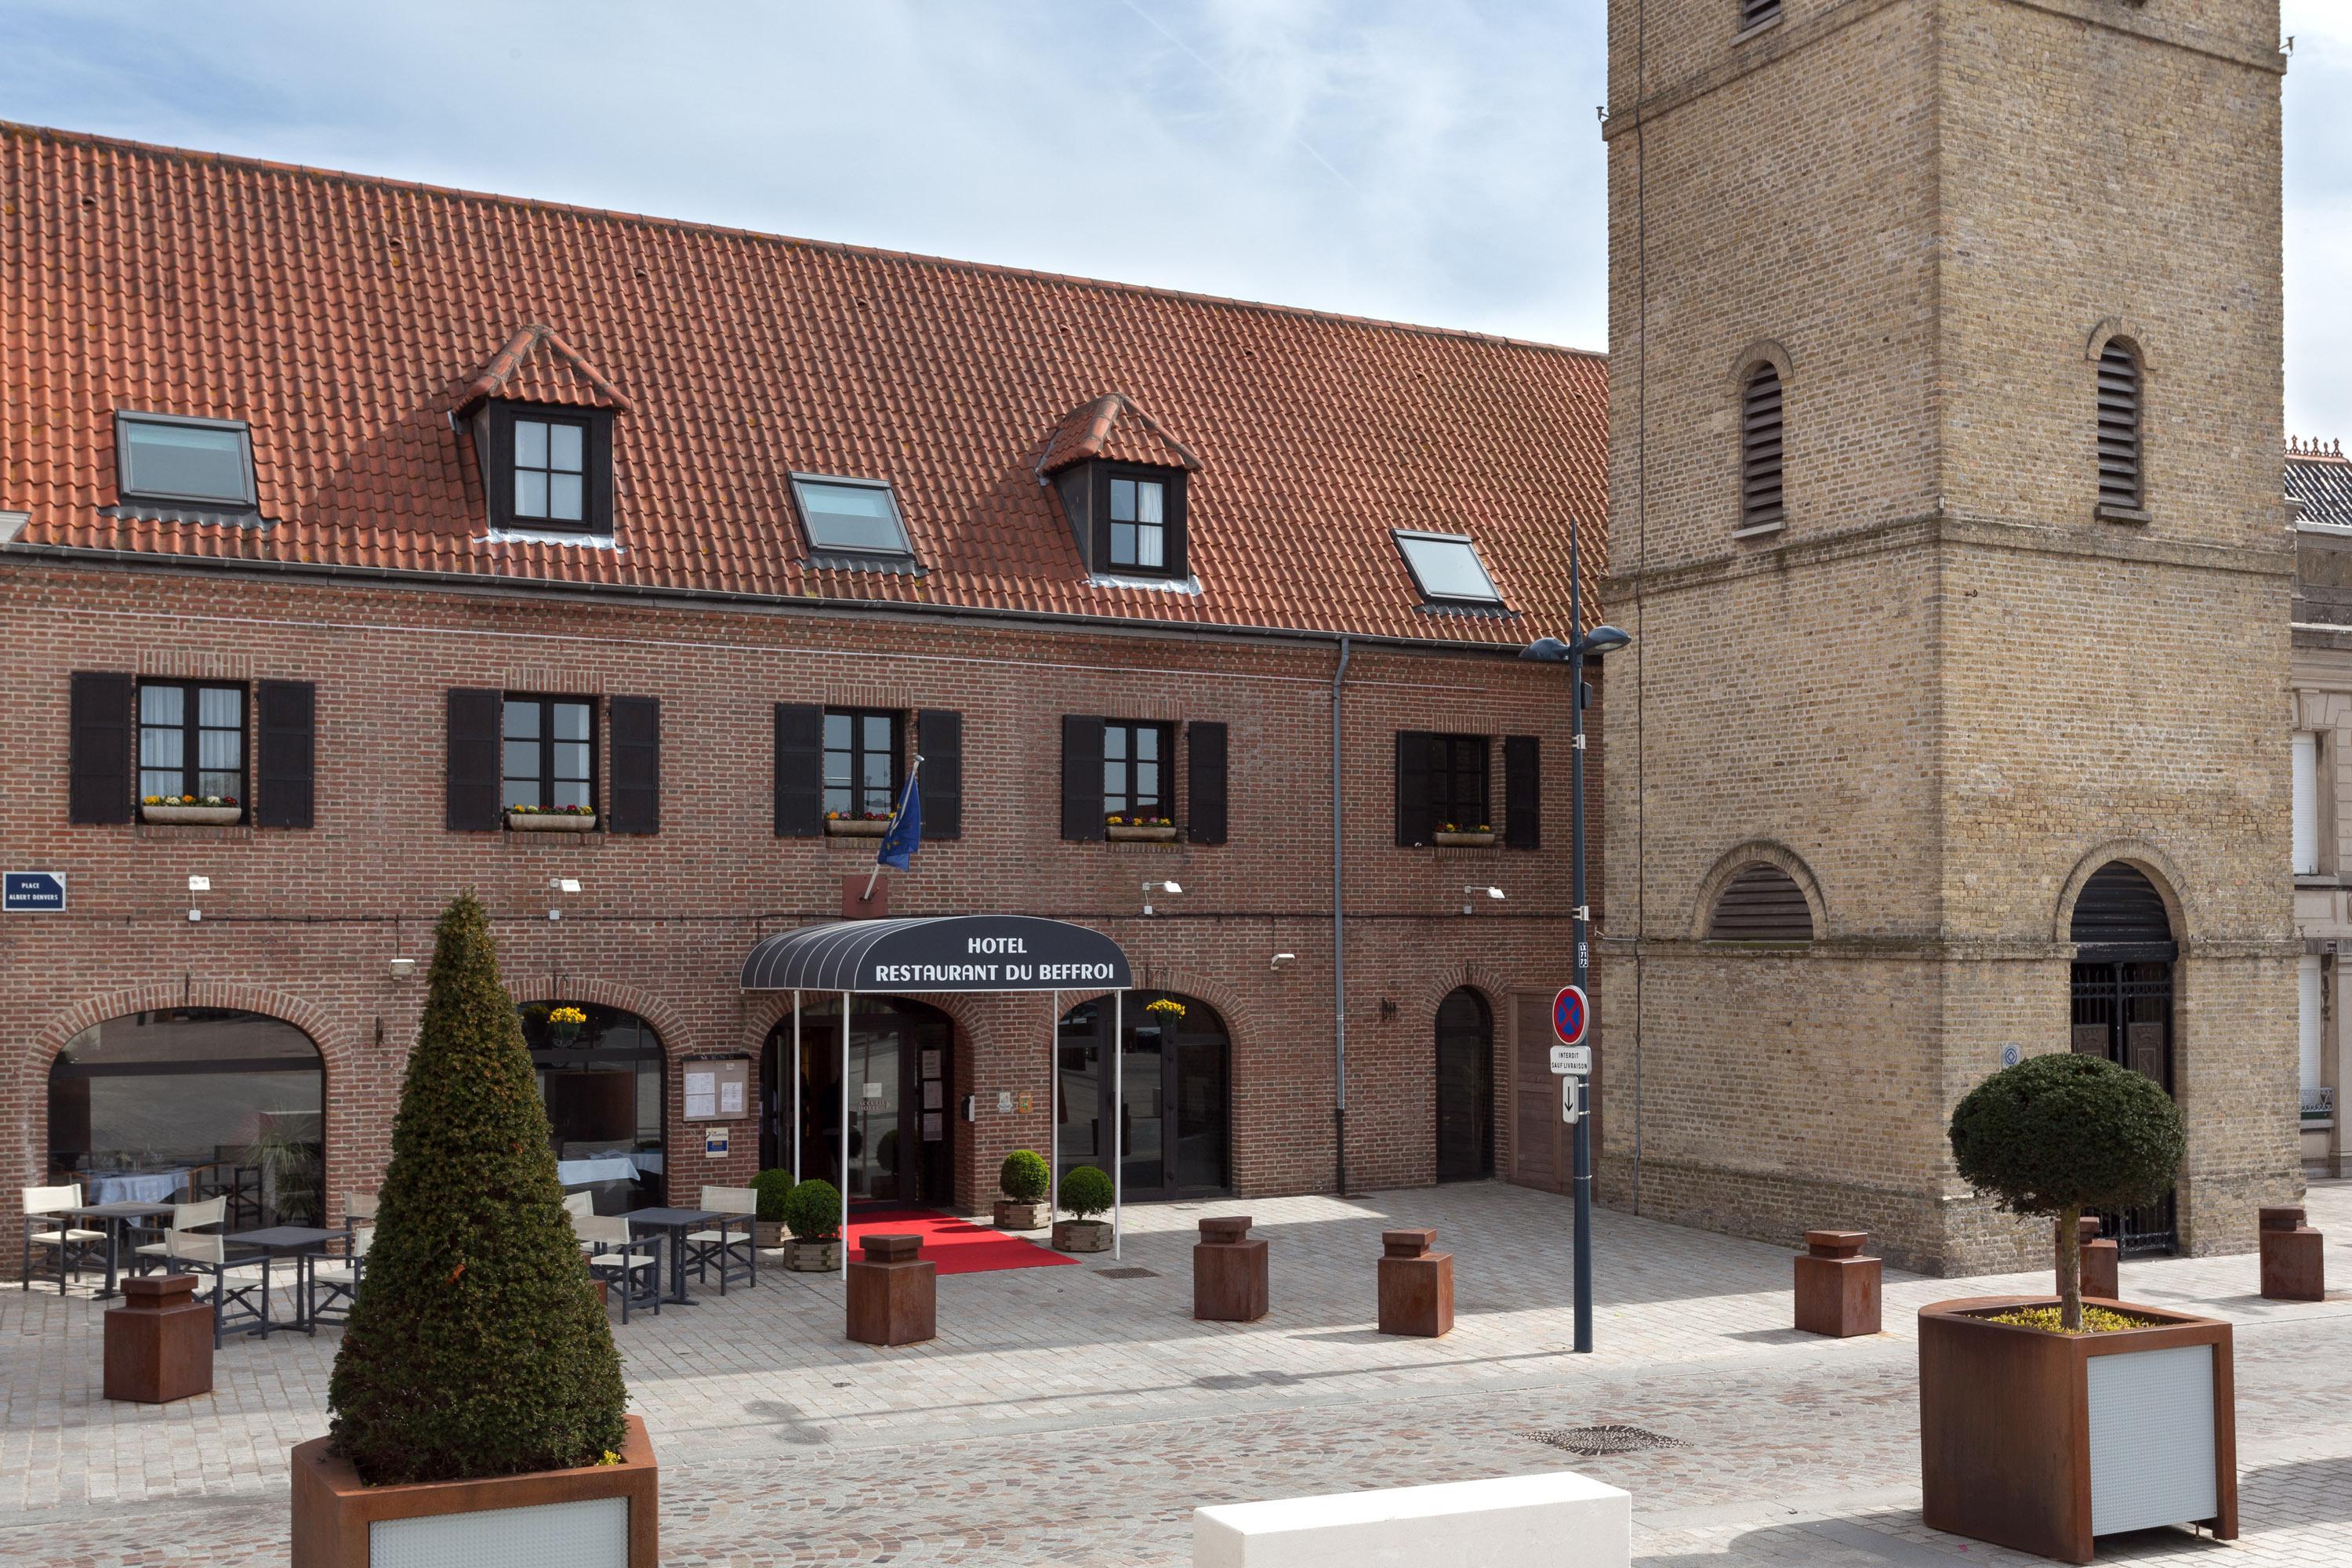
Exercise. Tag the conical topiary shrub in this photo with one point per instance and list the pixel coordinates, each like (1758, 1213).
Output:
(477, 1347)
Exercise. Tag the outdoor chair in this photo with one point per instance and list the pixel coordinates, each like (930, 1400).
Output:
(69, 1245)
(236, 1291)
(335, 1281)
(578, 1206)
(358, 1206)
(728, 1249)
(152, 1254)
(240, 1184)
(629, 1264)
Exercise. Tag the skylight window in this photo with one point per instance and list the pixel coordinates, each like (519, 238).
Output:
(168, 457)
(1447, 568)
(858, 515)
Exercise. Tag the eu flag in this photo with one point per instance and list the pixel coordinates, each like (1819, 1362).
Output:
(906, 834)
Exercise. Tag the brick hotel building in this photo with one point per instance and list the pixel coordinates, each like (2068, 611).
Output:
(371, 511)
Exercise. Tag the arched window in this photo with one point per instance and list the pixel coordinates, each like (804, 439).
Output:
(188, 1104)
(2122, 1008)
(1176, 1075)
(2121, 482)
(601, 1077)
(1465, 1086)
(1760, 903)
(1755, 13)
(1759, 449)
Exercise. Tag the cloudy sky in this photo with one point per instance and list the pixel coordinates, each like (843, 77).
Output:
(1426, 159)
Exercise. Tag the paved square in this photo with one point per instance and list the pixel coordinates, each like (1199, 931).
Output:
(1074, 1416)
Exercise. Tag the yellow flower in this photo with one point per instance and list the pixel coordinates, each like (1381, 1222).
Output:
(567, 1014)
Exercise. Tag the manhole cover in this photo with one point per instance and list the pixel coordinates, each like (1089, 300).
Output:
(1128, 1273)
(1592, 1441)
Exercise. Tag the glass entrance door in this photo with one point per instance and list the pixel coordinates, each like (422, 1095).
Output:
(901, 1100)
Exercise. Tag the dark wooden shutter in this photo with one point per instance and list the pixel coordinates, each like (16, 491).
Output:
(1205, 783)
(287, 753)
(800, 770)
(1413, 752)
(1759, 450)
(637, 764)
(1081, 779)
(939, 736)
(97, 759)
(2119, 415)
(1762, 903)
(1522, 792)
(473, 786)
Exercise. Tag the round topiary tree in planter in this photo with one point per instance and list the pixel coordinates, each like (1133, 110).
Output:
(2061, 1134)
(1086, 1192)
(1024, 1181)
(476, 1349)
(768, 1222)
(813, 1214)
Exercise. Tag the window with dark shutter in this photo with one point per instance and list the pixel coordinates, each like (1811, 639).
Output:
(286, 758)
(1414, 750)
(1082, 780)
(1205, 783)
(1755, 13)
(1522, 792)
(1759, 450)
(473, 804)
(99, 748)
(2119, 426)
(636, 728)
(800, 770)
(939, 738)
(1761, 903)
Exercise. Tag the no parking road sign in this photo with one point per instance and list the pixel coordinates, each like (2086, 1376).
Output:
(1569, 1012)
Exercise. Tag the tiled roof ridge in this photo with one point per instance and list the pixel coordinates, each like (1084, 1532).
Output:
(880, 253)
(1065, 445)
(2316, 450)
(515, 353)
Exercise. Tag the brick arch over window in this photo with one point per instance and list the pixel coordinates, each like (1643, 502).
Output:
(609, 994)
(334, 1048)
(1422, 1004)
(1742, 860)
(2114, 329)
(2146, 858)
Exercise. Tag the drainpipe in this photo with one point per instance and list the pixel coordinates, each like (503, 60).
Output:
(1339, 934)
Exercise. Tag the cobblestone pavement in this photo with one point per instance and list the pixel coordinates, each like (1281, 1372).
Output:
(1077, 1416)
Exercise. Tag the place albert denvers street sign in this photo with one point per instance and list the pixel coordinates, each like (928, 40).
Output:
(34, 891)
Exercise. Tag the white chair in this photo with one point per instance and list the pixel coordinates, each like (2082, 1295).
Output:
(238, 1293)
(358, 1206)
(578, 1206)
(629, 1264)
(335, 1281)
(185, 1217)
(71, 1244)
(727, 1249)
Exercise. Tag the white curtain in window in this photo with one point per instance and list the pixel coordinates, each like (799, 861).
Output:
(2311, 1031)
(2307, 804)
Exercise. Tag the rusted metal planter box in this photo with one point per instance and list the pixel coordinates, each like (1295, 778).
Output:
(599, 1516)
(2040, 1441)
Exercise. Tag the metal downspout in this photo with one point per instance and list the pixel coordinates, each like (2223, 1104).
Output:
(1338, 930)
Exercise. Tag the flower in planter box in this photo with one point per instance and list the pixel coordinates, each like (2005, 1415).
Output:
(1119, 822)
(1166, 1007)
(150, 800)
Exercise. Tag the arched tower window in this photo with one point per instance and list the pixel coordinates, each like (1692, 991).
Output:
(1755, 13)
(1761, 903)
(1759, 449)
(2120, 470)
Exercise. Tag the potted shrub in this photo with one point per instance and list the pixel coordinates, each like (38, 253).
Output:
(1024, 1181)
(1086, 1192)
(476, 1373)
(2042, 1422)
(813, 1214)
(1141, 829)
(1461, 836)
(550, 818)
(857, 823)
(768, 1223)
(212, 810)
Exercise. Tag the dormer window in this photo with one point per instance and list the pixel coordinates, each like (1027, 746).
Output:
(551, 469)
(1128, 517)
(1138, 524)
(548, 470)
(171, 458)
(1447, 569)
(851, 517)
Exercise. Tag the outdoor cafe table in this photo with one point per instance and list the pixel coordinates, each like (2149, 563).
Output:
(299, 1241)
(677, 1222)
(116, 1216)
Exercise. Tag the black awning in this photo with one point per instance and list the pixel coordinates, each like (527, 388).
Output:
(938, 953)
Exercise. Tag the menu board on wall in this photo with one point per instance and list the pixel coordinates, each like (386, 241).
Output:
(718, 1088)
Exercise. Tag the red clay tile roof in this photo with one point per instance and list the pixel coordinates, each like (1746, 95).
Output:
(1113, 427)
(345, 318)
(521, 373)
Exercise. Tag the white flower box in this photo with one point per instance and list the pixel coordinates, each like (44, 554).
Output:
(550, 821)
(1463, 841)
(193, 816)
(1142, 835)
(854, 828)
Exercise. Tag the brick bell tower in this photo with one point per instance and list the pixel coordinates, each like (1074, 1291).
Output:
(1946, 453)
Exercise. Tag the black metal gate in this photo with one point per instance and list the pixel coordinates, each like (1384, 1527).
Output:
(2124, 954)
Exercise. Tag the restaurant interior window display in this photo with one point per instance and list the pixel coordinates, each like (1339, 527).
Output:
(188, 1104)
(1176, 1115)
(601, 1076)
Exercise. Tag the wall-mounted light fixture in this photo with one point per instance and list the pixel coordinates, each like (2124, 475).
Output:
(1475, 891)
(1285, 960)
(1152, 887)
(403, 969)
(200, 884)
(564, 884)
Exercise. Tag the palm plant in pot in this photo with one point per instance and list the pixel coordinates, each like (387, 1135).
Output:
(1086, 1192)
(2045, 1423)
(768, 1222)
(475, 1351)
(813, 1214)
(1024, 1181)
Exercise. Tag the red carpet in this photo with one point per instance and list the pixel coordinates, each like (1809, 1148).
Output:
(955, 1245)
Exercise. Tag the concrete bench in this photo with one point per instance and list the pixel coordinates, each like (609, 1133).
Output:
(1562, 1519)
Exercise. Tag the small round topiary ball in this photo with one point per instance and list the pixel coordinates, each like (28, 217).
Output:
(2062, 1130)
(813, 1210)
(1086, 1192)
(1024, 1177)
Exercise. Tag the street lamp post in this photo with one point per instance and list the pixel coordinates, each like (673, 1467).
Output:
(1592, 644)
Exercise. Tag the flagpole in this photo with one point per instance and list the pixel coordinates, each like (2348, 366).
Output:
(904, 795)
